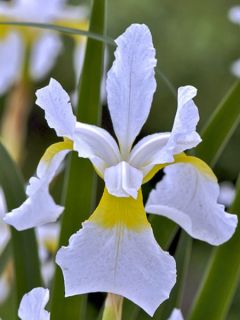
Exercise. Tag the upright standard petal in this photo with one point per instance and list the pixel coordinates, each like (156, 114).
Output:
(44, 54)
(40, 208)
(161, 148)
(176, 315)
(123, 180)
(131, 84)
(183, 135)
(188, 195)
(116, 252)
(11, 46)
(32, 305)
(55, 102)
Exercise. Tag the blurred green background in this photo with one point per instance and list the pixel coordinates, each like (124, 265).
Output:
(195, 44)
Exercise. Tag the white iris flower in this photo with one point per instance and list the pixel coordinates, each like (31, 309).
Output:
(32, 305)
(45, 45)
(115, 251)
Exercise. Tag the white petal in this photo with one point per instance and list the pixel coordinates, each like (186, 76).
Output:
(176, 315)
(96, 144)
(119, 261)
(47, 237)
(32, 305)
(4, 229)
(11, 46)
(184, 135)
(150, 151)
(47, 271)
(235, 68)
(3, 205)
(32, 10)
(234, 14)
(131, 84)
(44, 54)
(39, 208)
(72, 12)
(54, 100)
(227, 193)
(123, 180)
(79, 53)
(161, 147)
(189, 196)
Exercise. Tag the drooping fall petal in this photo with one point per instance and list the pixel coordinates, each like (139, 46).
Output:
(188, 195)
(116, 252)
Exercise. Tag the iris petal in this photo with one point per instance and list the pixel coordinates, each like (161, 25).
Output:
(188, 195)
(40, 208)
(32, 305)
(116, 252)
(131, 84)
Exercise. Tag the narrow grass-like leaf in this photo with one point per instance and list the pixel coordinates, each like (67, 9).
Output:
(222, 276)
(24, 246)
(63, 29)
(220, 127)
(80, 178)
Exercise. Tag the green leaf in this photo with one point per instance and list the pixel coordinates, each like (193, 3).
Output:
(24, 246)
(80, 184)
(222, 276)
(72, 31)
(220, 127)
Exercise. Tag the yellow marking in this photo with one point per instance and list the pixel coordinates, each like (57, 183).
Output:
(51, 151)
(51, 245)
(75, 24)
(29, 34)
(196, 162)
(114, 211)
(4, 29)
(183, 158)
(153, 171)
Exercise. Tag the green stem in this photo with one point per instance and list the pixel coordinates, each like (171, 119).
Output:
(113, 307)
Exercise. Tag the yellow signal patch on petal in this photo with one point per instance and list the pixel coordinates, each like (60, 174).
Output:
(4, 29)
(182, 157)
(126, 212)
(198, 163)
(75, 24)
(51, 151)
